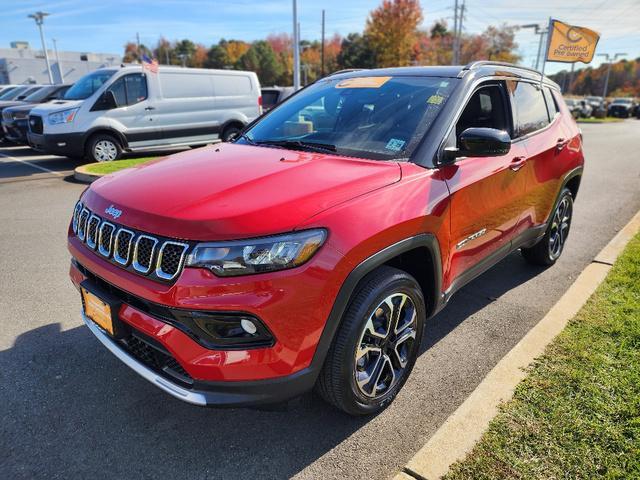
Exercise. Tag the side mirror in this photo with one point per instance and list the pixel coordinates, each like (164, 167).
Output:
(480, 142)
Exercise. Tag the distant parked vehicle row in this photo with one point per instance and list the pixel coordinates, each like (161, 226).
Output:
(579, 108)
(15, 114)
(116, 110)
(624, 107)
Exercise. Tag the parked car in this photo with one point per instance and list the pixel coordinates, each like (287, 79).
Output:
(272, 96)
(621, 108)
(18, 93)
(597, 103)
(116, 110)
(6, 88)
(579, 108)
(312, 252)
(14, 119)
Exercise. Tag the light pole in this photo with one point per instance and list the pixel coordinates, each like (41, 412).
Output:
(39, 18)
(296, 48)
(538, 30)
(55, 50)
(609, 61)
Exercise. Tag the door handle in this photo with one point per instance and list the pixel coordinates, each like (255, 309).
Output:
(561, 143)
(517, 163)
(149, 108)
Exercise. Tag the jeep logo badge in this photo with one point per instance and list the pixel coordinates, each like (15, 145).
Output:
(113, 211)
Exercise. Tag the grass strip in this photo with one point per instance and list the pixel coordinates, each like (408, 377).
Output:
(577, 414)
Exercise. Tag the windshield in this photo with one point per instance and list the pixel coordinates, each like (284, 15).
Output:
(40, 94)
(87, 85)
(623, 100)
(11, 94)
(380, 118)
(6, 91)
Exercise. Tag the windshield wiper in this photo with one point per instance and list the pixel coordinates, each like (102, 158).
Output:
(299, 144)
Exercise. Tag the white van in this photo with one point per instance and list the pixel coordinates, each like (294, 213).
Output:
(126, 109)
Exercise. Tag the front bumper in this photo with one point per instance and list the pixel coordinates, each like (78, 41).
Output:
(63, 144)
(220, 394)
(15, 131)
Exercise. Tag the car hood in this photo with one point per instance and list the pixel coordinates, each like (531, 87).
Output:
(21, 108)
(233, 191)
(56, 106)
(10, 103)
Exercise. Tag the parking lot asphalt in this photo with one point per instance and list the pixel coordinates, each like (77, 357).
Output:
(72, 410)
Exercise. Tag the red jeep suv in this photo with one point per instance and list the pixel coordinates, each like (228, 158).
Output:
(312, 250)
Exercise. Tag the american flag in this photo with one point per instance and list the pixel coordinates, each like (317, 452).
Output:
(148, 64)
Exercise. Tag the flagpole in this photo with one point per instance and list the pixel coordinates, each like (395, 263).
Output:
(546, 50)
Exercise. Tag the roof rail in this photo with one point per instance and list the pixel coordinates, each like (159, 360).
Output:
(481, 63)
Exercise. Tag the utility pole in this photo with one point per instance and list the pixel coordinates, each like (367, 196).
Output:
(573, 66)
(454, 60)
(296, 48)
(55, 49)
(457, 40)
(538, 30)
(609, 60)
(322, 49)
(39, 18)
(138, 47)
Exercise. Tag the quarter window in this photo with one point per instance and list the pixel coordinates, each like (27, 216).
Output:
(531, 110)
(552, 106)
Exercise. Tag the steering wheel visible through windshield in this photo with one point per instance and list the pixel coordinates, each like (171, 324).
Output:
(375, 117)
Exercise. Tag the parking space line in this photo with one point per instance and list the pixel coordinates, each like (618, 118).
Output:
(26, 162)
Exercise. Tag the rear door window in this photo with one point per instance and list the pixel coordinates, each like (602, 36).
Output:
(530, 108)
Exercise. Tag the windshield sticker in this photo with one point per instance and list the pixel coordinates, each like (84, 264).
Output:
(435, 99)
(363, 82)
(395, 145)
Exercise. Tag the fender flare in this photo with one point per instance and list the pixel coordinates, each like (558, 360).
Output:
(352, 281)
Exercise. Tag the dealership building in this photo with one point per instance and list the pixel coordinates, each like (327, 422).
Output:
(21, 64)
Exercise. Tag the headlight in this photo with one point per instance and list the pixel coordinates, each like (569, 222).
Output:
(259, 255)
(20, 115)
(65, 116)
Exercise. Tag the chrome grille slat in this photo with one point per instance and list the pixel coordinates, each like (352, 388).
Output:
(121, 245)
(159, 258)
(169, 265)
(82, 223)
(140, 254)
(93, 224)
(106, 238)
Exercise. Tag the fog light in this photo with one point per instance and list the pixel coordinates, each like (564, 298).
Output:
(248, 326)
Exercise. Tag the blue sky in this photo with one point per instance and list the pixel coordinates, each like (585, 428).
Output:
(105, 26)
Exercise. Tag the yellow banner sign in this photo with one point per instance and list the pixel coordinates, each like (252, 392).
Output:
(570, 44)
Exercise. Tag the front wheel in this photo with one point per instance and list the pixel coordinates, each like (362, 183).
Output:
(547, 251)
(103, 148)
(230, 132)
(376, 345)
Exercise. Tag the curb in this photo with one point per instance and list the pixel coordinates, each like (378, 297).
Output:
(457, 436)
(82, 175)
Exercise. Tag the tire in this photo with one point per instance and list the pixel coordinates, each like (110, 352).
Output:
(230, 132)
(103, 147)
(379, 369)
(547, 251)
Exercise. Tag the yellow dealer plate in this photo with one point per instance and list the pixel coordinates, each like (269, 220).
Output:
(97, 310)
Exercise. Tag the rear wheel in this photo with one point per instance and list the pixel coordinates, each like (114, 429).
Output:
(103, 148)
(376, 345)
(547, 251)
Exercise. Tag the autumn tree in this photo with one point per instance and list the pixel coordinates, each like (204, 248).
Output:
(217, 58)
(392, 31)
(356, 52)
(261, 58)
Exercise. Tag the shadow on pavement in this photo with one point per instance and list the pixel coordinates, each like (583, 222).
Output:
(75, 410)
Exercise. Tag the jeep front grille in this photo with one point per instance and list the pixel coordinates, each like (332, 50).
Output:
(158, 258)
